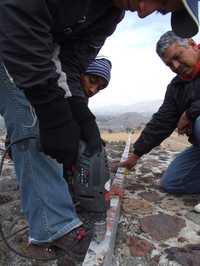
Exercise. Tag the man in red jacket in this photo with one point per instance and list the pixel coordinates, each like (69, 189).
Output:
(181, 110)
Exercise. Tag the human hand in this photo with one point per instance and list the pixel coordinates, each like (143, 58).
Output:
(129, 163)
(114, 166)
(184, 125)
(61, 143)
(59, 133)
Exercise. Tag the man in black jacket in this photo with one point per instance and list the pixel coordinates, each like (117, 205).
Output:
(45, 46)
(181, 110)
(39, 177)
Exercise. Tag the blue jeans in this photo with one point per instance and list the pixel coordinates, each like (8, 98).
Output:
(183, 174)
(45, 198)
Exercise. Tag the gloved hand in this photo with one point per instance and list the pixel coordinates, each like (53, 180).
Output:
(86, 120)
(59, 133)
(61, 142)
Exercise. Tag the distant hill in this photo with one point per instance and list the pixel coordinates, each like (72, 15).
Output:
(145, 108)
(122, 122)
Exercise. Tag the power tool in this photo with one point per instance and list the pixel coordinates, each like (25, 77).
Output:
(91, 180)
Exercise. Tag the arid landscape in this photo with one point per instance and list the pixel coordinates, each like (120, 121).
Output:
(174, 143)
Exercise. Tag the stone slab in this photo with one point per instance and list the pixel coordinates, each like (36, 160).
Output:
(162, 226)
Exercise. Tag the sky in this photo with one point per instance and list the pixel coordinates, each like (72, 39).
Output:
(138, 74)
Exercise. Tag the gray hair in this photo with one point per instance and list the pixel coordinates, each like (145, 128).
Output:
(167, 39)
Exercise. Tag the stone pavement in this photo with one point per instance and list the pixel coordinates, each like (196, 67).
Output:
(156, 228)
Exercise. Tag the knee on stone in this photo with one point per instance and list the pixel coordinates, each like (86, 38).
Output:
(167, 185)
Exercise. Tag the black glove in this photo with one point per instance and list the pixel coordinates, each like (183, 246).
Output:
(61, 143)
(59, 133)
(86, 120)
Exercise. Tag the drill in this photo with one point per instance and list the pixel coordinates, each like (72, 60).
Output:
(91, 180)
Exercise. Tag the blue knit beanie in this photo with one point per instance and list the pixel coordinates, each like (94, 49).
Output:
(100, 67)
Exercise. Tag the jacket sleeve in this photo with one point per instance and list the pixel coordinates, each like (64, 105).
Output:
(194, 111)
(159, 127)
(27, 47)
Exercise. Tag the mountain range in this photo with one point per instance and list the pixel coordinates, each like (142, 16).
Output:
(123, 122)
(145, 108)
(123, 118)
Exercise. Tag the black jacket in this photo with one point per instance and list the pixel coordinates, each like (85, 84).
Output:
(180, 96)
(30, 29)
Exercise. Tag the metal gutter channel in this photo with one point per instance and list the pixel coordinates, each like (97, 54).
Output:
(102, 253)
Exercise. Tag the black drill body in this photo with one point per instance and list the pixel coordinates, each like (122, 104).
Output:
(91, 179)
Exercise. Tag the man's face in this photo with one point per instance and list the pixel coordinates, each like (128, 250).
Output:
(181, 60)
(92, 84)
(146, 7)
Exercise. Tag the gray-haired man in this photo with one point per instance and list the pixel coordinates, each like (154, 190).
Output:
(181, 110)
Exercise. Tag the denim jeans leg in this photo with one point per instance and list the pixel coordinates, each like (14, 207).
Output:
(46, 201)
(183, 174)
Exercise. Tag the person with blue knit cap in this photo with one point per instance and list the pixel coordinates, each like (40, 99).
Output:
(97, 76)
